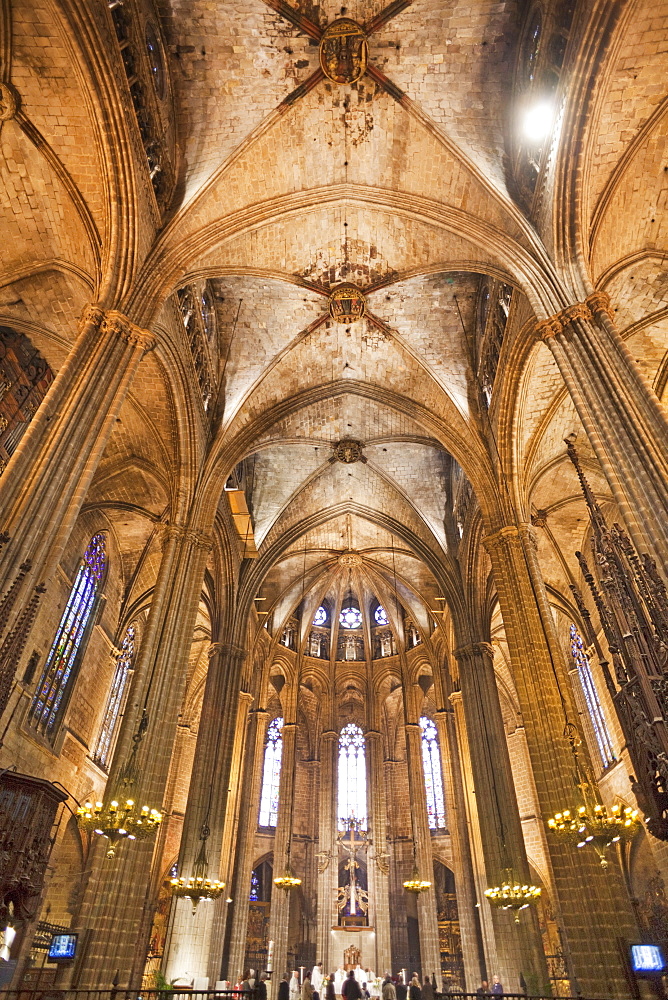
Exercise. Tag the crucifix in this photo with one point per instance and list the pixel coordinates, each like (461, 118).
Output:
(357, 840)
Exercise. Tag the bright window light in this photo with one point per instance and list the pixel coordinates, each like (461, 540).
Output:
(537, 122)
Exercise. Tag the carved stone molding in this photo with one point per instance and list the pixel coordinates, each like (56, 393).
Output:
(589, 310)
(197, 538)
(474, 649)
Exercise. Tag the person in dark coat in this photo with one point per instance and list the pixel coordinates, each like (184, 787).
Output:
(261, 989)
(401, 988)
(351, 989)
(330, 989)
(427, 989)
(284, 989)
(414, 991)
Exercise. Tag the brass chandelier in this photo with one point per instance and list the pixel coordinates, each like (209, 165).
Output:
(591, 823)
(118, 817)
(416, 883)
(512, 894)
(198, 886)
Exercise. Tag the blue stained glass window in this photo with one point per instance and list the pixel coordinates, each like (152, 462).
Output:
(381, 616)
(320, 616)
(254, 887)
(350, 617)
(116, 697)
(599, 725)
(68, 642)
(433, 778)
(352, 776)
(271, 775)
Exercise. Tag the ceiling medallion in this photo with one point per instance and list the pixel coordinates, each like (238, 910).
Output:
(343, 51)
(347, 304)
(349, 451)
(350, 559)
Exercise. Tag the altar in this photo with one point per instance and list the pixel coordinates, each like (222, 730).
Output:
(347, 940)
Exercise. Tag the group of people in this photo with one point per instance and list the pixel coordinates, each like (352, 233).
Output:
(496, 989)
(357, 984)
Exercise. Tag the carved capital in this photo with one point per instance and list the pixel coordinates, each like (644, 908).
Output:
(91, 316)
(599, 302)
(117, 324)
(546, 328)
(372, 734)
(9, 102)
(214, 649)
(474, 649)
(500, 537)
(196, 538)
(329, 736)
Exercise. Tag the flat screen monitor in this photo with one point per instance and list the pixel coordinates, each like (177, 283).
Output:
(647, 959)
(63, 947)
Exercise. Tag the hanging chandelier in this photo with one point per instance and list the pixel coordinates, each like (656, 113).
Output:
(512, 894)
(592, 823)
(119, 818)
(416, 884)
(118, 821)
(287, 880)
(198, 887)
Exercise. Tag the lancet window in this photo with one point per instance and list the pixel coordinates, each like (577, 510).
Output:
(599, 726)
(70, 640)
(352, 776)
(433, 777)
(271, 775)
(124, 665)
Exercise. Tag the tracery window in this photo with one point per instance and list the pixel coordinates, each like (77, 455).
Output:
(24, 380)
(433, 777)
(381, 616)
(70, 640)
(352, 775)
(598, 724)
(320, 617)
(115, 701)
(350, 617)
(271, 774)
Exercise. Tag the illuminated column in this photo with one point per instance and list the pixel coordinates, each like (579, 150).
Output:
(378, 870)
(624, 421)
(461, 850)
(117, 914)
(327, 850)
(430, 950)
(189, 935)
(243, 867)
(518, 946)
(591, 904)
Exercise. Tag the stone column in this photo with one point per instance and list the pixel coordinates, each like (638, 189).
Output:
(625, 422)
(327, 849)
(243, 867)
(519, 949)
(591, 904)
(279, 920)
(461, 849)
(47, 478)
(378, 866)
(430, 950)
(483, 910)
(189, 935)
(117, 913)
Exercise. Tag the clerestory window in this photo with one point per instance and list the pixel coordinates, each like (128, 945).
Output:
(271, 774)
(433, 777)
(352, 776)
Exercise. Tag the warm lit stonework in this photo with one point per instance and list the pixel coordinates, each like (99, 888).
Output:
(333, 494)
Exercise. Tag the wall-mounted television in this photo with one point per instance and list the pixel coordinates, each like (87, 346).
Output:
(647, 960)
(63, 947)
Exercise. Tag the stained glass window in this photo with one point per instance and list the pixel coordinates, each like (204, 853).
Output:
(352, 775)
(116, 697)
(381, 616)
(350, 617)
(254, 887)
(433, 778)
(68, 643)
(598, 724)
(271, 775)
(320, 616)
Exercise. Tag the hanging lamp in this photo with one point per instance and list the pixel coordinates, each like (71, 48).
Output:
(589, 823)
(118, 817)
(198, 886)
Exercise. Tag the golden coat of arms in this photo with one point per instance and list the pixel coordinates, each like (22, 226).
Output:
(346, 304)
(343, 51)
